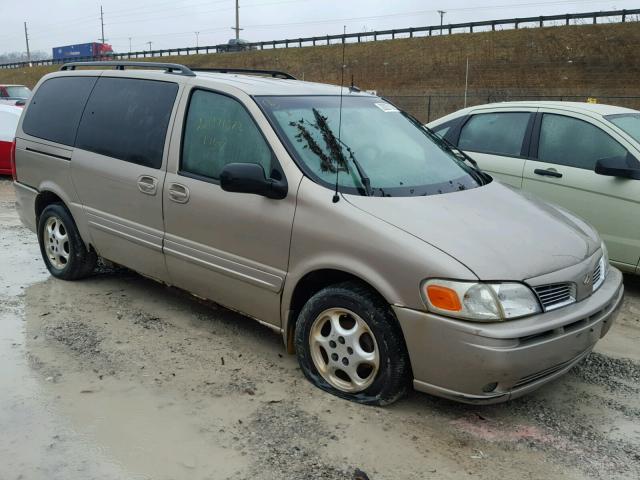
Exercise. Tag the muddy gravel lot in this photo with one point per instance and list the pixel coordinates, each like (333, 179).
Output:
(118, 377)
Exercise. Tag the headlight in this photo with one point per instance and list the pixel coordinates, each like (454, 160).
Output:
(480, 302)
(605, 259)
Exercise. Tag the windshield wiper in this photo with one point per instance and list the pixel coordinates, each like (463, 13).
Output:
(364, 178)
(336, 159)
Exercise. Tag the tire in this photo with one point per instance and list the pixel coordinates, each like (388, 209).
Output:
(348, 321)
(61, 246)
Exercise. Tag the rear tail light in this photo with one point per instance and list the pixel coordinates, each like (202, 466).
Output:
(12, 160)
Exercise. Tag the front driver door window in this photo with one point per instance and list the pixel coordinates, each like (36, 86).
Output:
(564, 173)
(496, 141)
(575, 143)
(219, 131)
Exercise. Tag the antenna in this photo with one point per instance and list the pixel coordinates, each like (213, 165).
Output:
(336, 197)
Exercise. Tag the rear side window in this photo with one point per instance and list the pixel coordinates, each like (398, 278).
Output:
(497, 133)
(219, 131)
(575, 143)
(56, 108)
(128, 119)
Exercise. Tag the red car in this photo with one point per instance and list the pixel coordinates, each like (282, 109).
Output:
(9, 117)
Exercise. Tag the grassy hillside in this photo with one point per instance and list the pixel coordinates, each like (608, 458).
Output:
(590, 60)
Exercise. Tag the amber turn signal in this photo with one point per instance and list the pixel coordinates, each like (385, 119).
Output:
(444, 298)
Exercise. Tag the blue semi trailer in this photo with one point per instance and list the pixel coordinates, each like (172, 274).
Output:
(83, 50)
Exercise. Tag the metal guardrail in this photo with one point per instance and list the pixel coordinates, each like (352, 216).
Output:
(359, 37)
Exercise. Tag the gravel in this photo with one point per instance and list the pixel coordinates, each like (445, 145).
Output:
(288, 442)
(613, 373)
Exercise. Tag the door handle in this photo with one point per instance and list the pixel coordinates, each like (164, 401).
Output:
(178, 193)
(548, 173)
(147, 184)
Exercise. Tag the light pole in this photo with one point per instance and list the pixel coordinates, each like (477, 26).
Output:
(197, 43)
(441, 12)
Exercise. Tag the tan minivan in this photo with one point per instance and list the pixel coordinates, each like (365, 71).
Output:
(383, 256)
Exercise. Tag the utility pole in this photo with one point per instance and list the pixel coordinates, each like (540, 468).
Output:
(102, 23)
(129, 44)
(149, 43)
(26, 38)
(237, 27)
(197, 43)
(441, 12)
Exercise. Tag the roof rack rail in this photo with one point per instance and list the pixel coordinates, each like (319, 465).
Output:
(248, 71)
(168, 67)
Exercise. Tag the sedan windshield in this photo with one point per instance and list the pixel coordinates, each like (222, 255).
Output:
(369, 147)
(629, 122)
(18, 92)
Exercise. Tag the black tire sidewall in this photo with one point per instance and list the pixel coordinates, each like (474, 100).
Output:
(391, 379)
(79, 258)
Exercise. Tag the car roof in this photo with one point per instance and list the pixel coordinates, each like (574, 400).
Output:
(261, 85)
(584, 107)
(251, 84)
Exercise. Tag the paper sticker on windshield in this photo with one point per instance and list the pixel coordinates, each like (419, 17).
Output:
(386, 107)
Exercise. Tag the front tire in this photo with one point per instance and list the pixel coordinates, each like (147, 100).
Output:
(349, 343)
(62, 248)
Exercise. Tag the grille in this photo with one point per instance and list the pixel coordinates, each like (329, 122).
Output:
(556, 295)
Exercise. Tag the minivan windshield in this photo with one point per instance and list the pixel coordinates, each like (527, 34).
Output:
(372, 147)
(629, 122)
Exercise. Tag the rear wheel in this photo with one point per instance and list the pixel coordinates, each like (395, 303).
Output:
(62, 248)
(349, 343)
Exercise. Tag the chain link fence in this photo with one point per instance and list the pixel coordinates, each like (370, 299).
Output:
(427, 108)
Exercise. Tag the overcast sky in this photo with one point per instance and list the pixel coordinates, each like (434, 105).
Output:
(172, 23)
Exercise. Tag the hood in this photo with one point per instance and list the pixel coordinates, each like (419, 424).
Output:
(497, 232)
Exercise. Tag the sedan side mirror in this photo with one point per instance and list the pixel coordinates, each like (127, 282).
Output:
(250, 178)
(617, 167)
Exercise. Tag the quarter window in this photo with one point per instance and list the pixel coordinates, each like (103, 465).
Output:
(56, 108)
(497, 133)
(219, 131)
(442, 130)
(127, 119)
(575, 143)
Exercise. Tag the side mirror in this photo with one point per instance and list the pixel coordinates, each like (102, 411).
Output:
(250, 178)
(618, 167)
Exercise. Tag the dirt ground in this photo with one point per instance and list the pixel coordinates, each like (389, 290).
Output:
(117, 377)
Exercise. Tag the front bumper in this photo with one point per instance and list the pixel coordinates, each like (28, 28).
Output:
(459, 360)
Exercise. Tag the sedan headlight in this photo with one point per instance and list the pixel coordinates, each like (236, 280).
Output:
(480, 302)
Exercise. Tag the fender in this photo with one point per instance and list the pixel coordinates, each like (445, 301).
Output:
(76, 208)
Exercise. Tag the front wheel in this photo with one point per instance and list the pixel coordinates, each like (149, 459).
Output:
(62, 248)
(349, 343)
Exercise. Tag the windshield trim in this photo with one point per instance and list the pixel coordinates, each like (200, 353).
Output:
(411, 191)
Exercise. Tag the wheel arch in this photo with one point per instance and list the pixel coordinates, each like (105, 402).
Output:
(43, 200)
(49, 193)
(307, 286)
